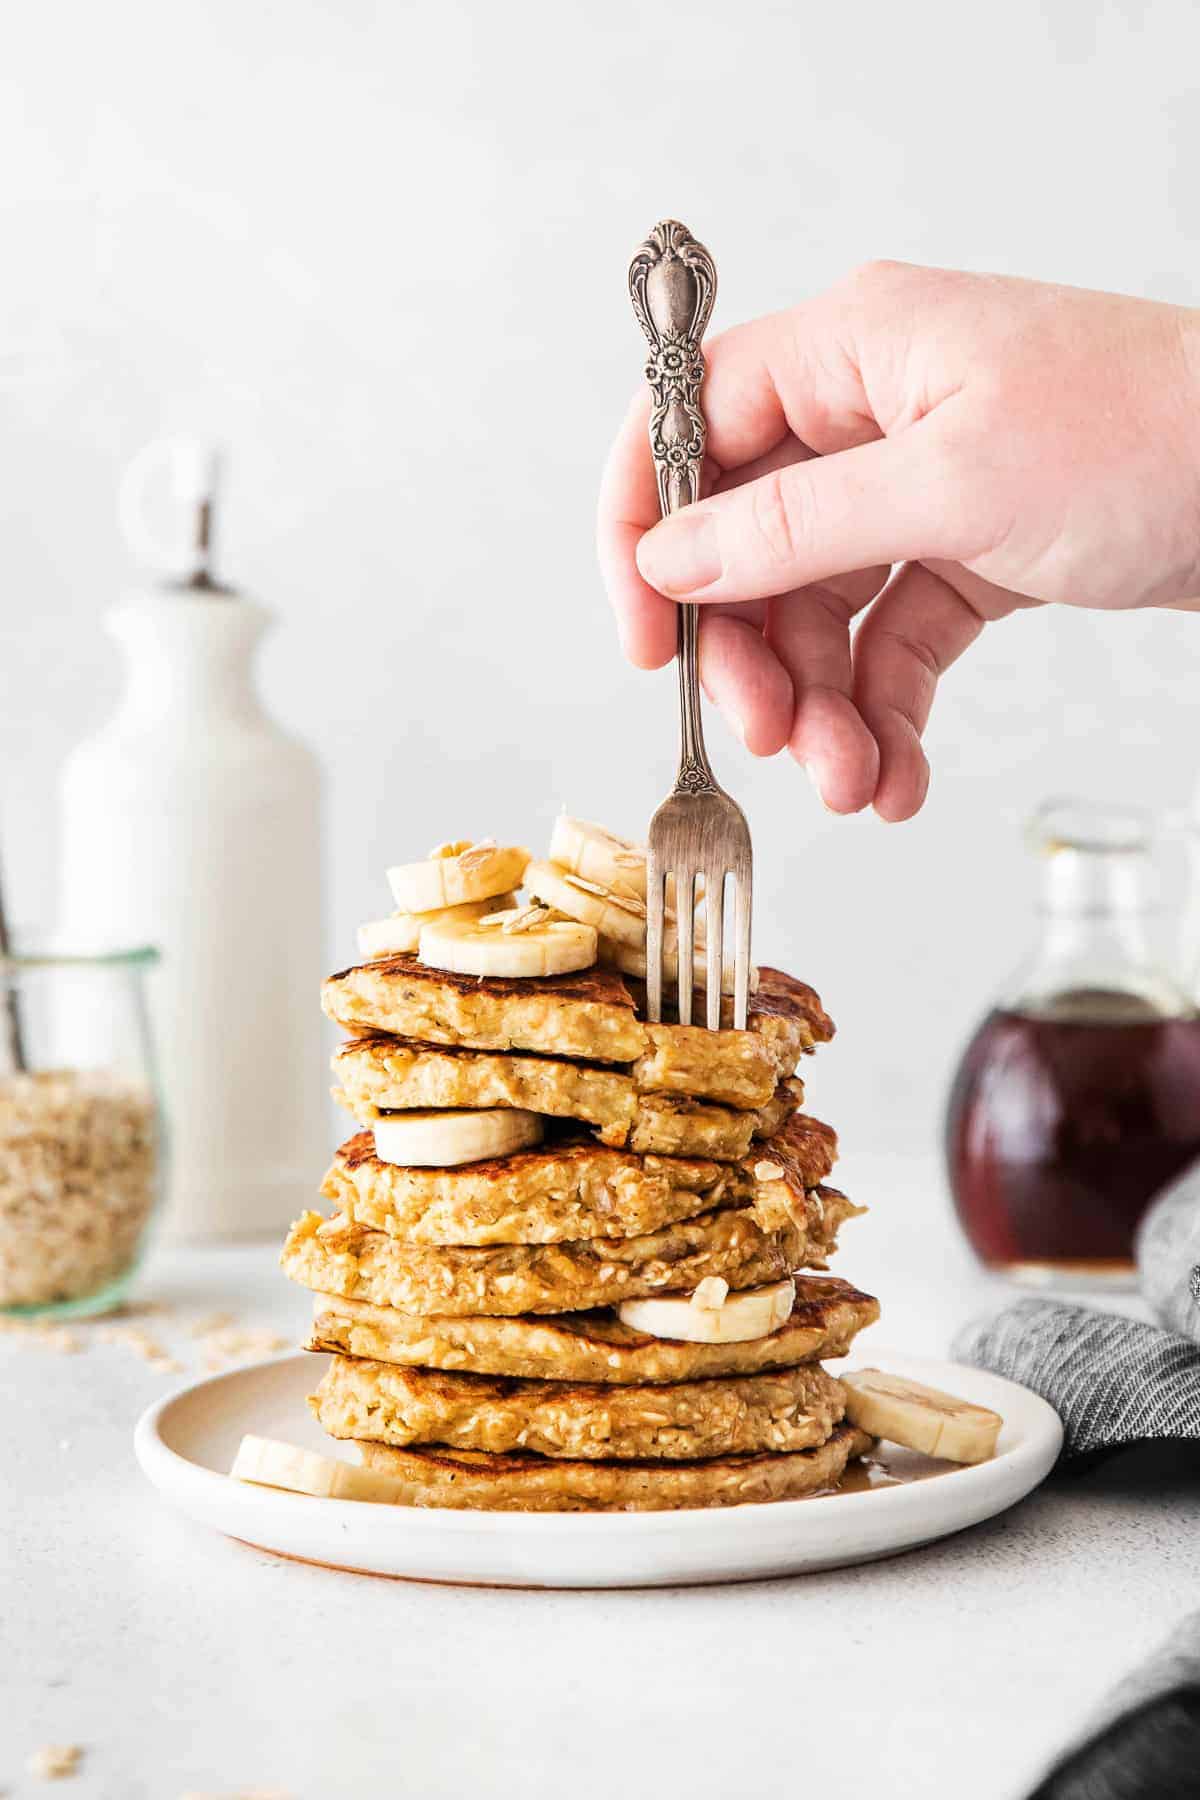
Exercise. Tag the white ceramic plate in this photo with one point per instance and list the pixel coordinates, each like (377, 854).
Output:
(187, 1442)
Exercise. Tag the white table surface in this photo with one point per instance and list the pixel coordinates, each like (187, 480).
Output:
(187, 1664)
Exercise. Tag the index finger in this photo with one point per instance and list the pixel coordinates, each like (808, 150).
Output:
(628, 507)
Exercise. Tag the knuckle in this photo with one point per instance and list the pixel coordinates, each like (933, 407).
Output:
(880, 273)
(913, 673)
(781, 517)
(926, 664)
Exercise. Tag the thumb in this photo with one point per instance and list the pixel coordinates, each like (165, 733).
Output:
(892, 500)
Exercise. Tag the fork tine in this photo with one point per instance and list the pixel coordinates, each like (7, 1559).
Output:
(685, 930)
(714, 907)
(655, 878)
(741, 978)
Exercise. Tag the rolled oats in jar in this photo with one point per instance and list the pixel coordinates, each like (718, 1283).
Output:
(77, 1182)
(80, 1137)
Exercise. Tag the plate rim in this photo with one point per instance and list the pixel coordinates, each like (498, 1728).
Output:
(1035, 1454)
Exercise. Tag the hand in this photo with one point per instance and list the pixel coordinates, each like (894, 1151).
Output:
(1007, 443)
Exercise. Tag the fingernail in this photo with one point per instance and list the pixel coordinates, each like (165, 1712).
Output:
(681, 555)
(736, 724)
(812, 776)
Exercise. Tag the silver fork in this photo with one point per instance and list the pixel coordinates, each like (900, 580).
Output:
(698, 831)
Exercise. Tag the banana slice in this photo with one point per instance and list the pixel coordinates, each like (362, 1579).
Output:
(712, 1315)
(442, 1140)
(456, 873)
(633, 962)
(612, 862)
(921, 1418)
(617, 915)
(524, 941)
(402, 932)
(599, 855)
(268, 1463)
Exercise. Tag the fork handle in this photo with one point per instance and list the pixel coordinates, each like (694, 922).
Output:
(672, 284)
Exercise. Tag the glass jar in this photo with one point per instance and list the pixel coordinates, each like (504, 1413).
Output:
(1078, 1098)
(81, 1133)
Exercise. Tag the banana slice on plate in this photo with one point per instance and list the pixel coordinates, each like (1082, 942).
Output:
(402, 932)
(615, 915)
(599, 855)
(268, 1463)
(456, 873)
(520, 941)
(712, 1315)
(919, 1417)
(442, 1140)
(632, 961)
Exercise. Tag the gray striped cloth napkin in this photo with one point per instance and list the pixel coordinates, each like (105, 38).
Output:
(1114, 1382)
(1145, 1744)
(1117, 1383)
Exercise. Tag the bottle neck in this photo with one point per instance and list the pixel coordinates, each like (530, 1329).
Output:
(1106, 951)
(1097, 909)
(188, 656)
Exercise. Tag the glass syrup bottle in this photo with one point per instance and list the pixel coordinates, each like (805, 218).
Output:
(1078, 1098)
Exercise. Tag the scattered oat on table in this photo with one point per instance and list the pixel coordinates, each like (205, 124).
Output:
(237, 1343)
(258, 1793)
(54, 1761)
(218, 1321)
(218, 1336)
(134, 1338)
(47, 1334)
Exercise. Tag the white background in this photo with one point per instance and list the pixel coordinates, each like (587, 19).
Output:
(379, 250)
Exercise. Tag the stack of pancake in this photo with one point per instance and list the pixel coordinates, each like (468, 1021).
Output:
(564, 1326)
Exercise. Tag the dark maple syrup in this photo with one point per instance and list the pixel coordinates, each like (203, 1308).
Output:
(895, 1467)
(1065, 1121)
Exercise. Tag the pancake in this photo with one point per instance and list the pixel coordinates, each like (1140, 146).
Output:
(681, 1125)
(669, 1125)
(802, 1152)
(787, 1014)
(734, 1068)
(380, 1074)
(337, 1257)
(475, 1481)
(590, 1014)
(785, 1019)
(565, 1191)
(782, 1009)
(819, 1212)
(787, 1099)
(786, 1409)
(590, 1346)
(384, 1074)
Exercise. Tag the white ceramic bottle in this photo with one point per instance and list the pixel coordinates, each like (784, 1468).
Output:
(192, 823)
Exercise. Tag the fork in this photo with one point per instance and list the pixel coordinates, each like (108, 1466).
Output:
(699, 832)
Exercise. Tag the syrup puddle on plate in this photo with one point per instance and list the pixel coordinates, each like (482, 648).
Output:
(891, 1467)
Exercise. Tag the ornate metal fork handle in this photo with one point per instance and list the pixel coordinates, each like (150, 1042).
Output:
(673, 283)
(699, 834)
